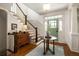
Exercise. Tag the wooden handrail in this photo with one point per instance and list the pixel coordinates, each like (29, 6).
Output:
(20, 9)
(36, 29)
(31, 24)
(25, 17)
(36, 34)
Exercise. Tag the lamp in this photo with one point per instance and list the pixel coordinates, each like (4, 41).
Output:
(24, 27)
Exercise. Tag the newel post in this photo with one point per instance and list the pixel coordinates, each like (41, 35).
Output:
(36, 35)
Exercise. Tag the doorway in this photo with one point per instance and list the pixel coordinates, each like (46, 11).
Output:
(52, 28)
(53, 25)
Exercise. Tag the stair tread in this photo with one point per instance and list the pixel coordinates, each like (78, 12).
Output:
(34, 35)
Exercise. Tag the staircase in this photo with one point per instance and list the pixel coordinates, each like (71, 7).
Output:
(31, 31)
(35, 37)
(32, 36)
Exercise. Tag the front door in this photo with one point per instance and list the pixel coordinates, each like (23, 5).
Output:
(53, 27)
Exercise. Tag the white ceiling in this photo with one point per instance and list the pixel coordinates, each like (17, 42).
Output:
(38, 7)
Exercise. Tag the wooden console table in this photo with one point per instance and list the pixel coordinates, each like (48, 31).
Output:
(20, 39)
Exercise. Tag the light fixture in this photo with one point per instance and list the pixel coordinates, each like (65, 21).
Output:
(24, 28)
(46, 7)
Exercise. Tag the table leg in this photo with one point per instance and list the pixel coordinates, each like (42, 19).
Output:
(44, 48)
(53, 47)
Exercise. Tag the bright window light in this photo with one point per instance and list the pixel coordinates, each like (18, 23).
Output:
(46, 7)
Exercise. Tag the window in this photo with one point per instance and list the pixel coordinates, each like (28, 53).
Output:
(52, 24)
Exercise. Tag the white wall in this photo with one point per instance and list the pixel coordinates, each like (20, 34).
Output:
(75, 42)
(74, 32)
(12, 19)
(71, 28)
(10, 38)
(67, 25)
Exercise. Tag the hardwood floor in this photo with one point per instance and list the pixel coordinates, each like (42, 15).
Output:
(67, 50)
(26, 49)
(23, 50)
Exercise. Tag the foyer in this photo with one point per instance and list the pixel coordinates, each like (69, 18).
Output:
(25, 26)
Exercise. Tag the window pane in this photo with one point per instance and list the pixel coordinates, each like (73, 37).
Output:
(52, 24)
(55, 25)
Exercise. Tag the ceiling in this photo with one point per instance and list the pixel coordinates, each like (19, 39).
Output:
(38, 7)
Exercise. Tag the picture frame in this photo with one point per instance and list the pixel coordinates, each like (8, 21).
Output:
(13, 26)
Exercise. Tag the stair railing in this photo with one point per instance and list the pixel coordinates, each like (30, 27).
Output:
(36, 29)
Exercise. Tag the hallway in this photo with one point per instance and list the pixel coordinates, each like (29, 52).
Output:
(26, 24)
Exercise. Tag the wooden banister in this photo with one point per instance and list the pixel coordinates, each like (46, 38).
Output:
(36, 30)
(20, 9)
(36, 34)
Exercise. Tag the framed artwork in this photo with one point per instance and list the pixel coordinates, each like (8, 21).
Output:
(13, 26)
